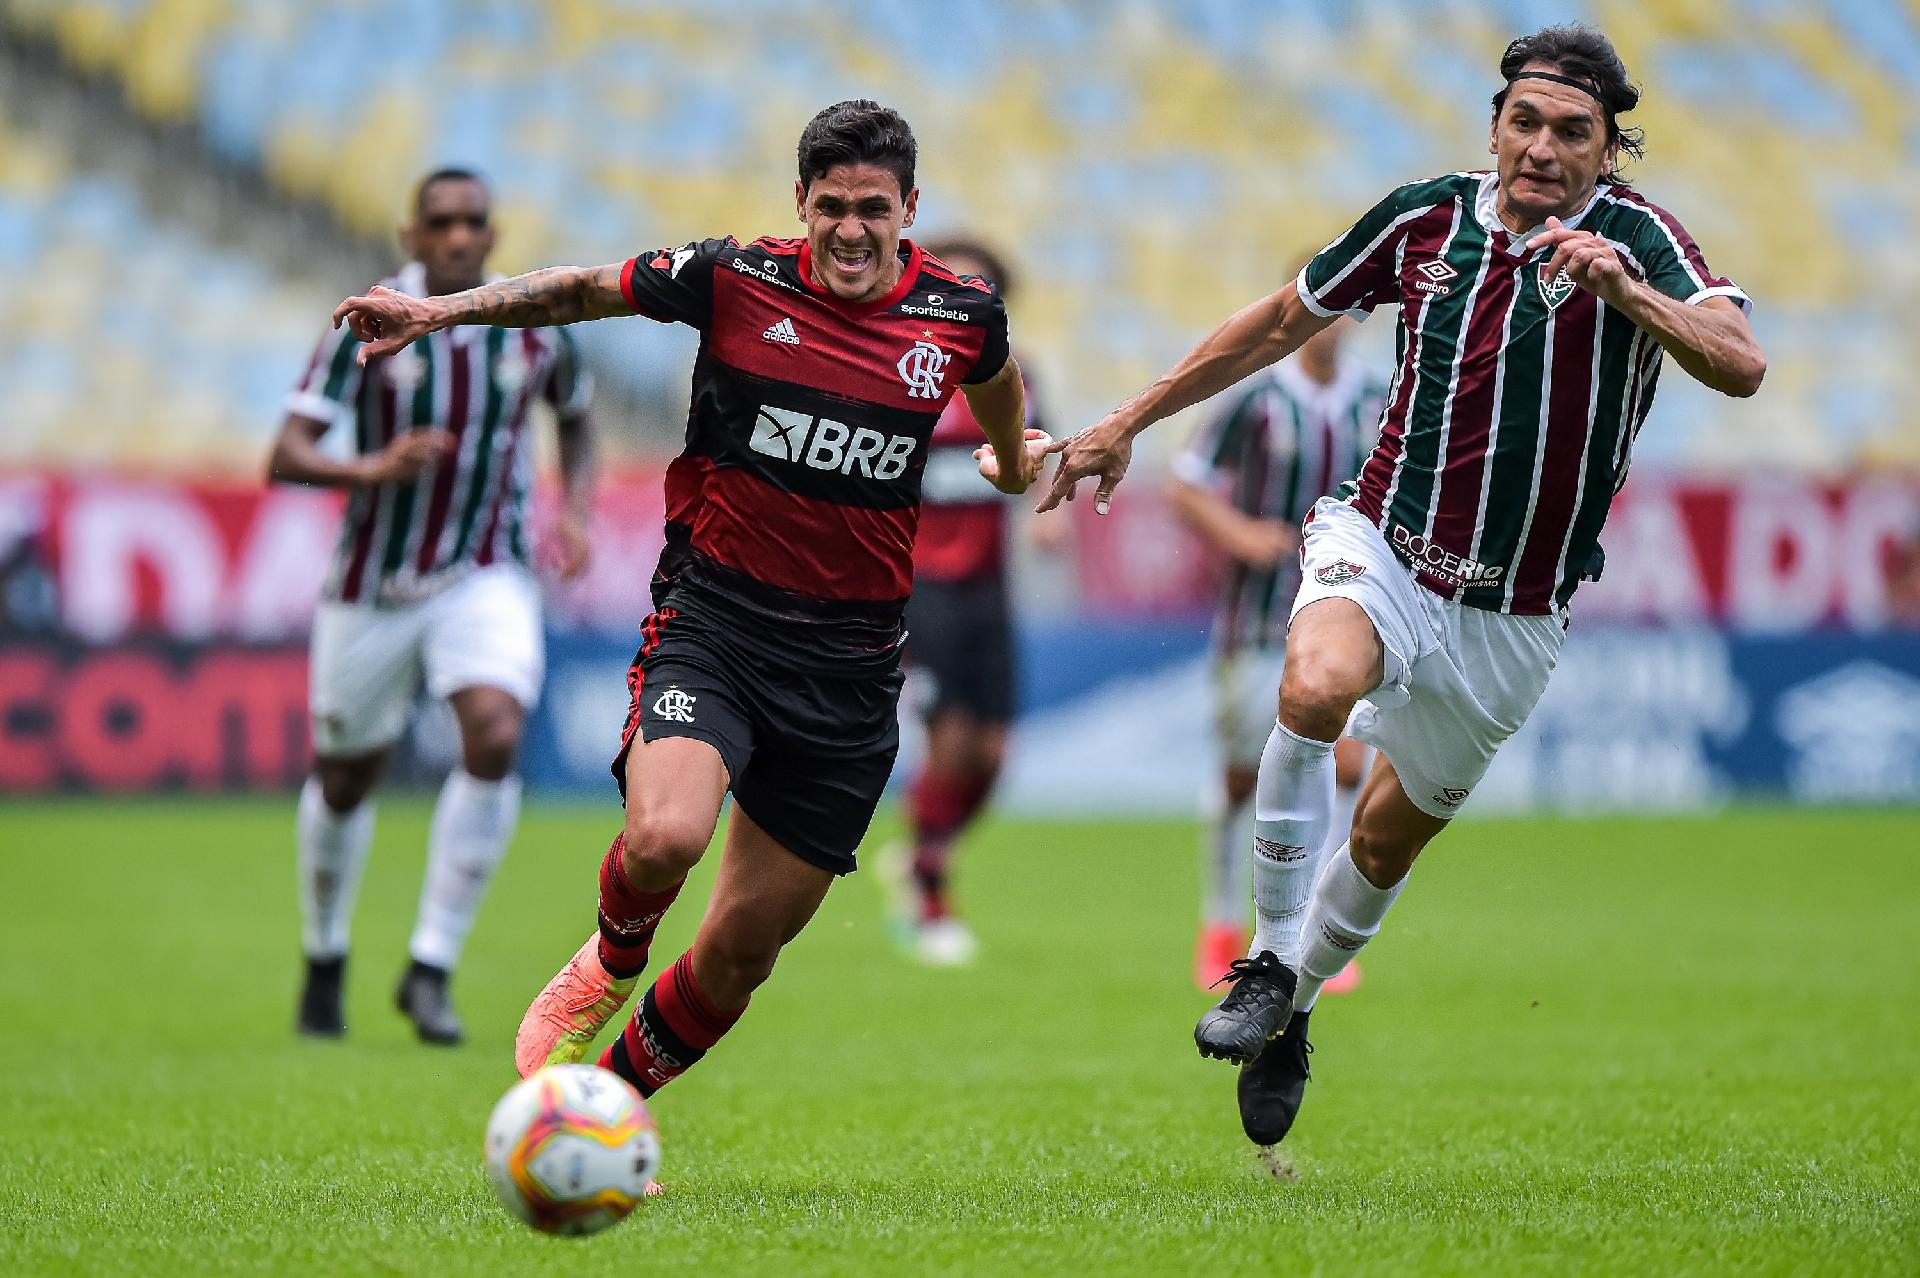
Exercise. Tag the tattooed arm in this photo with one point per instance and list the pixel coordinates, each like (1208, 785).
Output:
(386, 320)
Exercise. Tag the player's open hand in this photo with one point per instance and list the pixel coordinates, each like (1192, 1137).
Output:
(566, 549)
(385, 320)
(1033, 458)
(1102, 449)
(1589, 261)
(404, 458)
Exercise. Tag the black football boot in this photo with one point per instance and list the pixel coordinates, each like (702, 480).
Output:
(1254, 1010)
(423, 1000)
(320, 1014)
(1271, 1087)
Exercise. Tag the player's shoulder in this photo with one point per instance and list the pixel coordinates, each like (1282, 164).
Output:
(777, 246)
(938, 292)
(1620, 212)
(1430, 192)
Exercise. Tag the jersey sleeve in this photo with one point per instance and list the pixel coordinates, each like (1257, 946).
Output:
(1218, 449)
(569, 387)
(1355, 273)
(1669, 260)
(674, 285)
(993, 348)
(331, 383)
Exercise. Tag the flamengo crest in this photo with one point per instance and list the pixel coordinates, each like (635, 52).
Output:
(1556, 291)
(922, 368)
(675, 706)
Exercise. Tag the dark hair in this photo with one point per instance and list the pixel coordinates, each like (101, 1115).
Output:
(858, 131)
(961, 246)
(1581, 53)
(438, 176)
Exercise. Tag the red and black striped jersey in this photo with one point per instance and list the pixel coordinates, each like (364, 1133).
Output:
(792, 510)
(963, 521)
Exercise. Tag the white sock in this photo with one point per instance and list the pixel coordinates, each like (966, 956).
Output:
(1344, 916)
(1227, 874)
(472, 823)
(332, 853)
(1340, 826)
(1292, 805)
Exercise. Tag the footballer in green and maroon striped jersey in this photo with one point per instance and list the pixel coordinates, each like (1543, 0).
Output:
(1537, 302)
(469, 507)
(431, 585)
(1517, 397)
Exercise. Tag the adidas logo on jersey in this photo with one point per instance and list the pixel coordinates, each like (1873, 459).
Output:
(782, 333)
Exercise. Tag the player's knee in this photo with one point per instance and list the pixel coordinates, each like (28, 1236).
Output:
(1382, 860)
(344, 788)
(1317, 693)
(661, 846)
(489, 750)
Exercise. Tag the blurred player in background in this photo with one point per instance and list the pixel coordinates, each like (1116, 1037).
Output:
(1246, 482)
(961, 651)
(432, 581)
(1536, 302)
(770, 667)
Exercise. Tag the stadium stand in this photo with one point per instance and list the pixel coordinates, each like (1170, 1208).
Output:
(1156, 164)
(120, 345)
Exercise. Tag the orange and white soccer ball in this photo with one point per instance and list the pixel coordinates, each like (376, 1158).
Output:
(572, 1149)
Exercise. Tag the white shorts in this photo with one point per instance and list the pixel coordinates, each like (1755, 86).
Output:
(368, 661)
(1246, 701)
(1459, 681)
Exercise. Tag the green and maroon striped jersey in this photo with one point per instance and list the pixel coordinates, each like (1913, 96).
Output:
(1516, 399)
(1282, 442)
(401, 541)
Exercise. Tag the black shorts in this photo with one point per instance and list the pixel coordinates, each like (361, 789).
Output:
(807, 755)
(960, 642)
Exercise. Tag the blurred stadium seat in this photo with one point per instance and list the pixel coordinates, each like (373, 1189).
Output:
(1156, 165)
(122, 347)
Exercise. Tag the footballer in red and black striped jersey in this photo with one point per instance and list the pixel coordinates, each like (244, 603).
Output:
(793, 507)
(962, 674)
(770, 667)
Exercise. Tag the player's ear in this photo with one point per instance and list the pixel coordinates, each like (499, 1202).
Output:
(913, 206)
(800, 199)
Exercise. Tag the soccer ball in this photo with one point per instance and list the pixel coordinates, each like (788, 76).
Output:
(572, 1149)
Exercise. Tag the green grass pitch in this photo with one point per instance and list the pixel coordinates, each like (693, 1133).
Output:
(1654, 1046)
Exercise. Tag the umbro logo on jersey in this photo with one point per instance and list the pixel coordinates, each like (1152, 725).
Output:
(782, 333)
(674, 706)
(1436, 273)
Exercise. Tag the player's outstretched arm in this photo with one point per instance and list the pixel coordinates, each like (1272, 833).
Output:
(1013, 454)
(1710, 339)
(386, 320)
(1258, 335)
